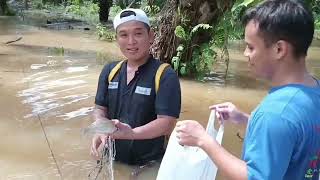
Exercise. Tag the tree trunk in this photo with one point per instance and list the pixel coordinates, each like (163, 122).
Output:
(3, 7)
(165, 43)
(191, 13)
(26, 5)
(104, 10)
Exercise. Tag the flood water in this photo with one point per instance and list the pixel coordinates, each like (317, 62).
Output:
(45, 85)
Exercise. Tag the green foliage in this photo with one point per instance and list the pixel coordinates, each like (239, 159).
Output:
(152, 7)
(87, 9)
(314, 6)
(202, 55)
(317, 23)
(37, 4)
(114, 10)
(5, 9)
(104, 33)
(58, 51)
(76, 2)
(240, 4)
(202, 60)
(180, 33)
(151, 11)
(184, 19)
(175, 61)
(198, 27)
(75, 9)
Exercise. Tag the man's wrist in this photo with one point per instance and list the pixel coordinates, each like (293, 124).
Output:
(245, 118)
(101, 119)
(203, 141)
(134, 134)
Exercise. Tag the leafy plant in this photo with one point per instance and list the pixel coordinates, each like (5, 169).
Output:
(104, 33)
(202, 59)
(114, 10)
(201, 56)
(151, 10)
(176, 59)
(58, 51)
(180, 33)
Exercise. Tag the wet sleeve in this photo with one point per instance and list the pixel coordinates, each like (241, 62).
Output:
(102, 90)
(269, 146)
(168, 98)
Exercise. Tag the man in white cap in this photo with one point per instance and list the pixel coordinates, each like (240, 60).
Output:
(143, 107)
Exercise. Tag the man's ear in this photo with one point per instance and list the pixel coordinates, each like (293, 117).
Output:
(281, 49)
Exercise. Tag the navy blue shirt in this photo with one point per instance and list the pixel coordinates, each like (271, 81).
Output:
(138, 104)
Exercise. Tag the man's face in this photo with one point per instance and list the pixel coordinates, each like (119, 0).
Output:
(134, 40)
(260, 57)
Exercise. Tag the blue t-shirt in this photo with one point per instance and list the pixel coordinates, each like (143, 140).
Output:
(283, 135)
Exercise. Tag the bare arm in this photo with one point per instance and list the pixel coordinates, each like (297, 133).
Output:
(229, 165)
(100, 113)
(163, 125)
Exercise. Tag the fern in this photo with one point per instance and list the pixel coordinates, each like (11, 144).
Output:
(180, 33)
(200, 26)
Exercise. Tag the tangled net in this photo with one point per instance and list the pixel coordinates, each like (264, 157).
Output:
(104, 168)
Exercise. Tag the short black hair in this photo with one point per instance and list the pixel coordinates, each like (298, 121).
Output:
(129, 13)
(288, 20)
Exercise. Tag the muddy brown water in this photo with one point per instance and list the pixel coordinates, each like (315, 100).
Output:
(36, 79)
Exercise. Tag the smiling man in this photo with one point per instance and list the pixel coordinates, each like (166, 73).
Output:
(282, 139)
(140, 95)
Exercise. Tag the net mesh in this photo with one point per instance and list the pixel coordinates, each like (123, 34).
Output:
(104, 167)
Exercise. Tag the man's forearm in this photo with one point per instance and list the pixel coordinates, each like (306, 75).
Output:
(100, 113)
(229, 165)
(156, 128)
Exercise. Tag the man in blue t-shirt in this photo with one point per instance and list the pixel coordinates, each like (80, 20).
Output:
(283, 133)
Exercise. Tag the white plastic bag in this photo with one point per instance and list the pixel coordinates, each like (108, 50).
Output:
(189, 163)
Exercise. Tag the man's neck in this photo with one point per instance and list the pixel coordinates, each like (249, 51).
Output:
(294, 72)
(135, 64)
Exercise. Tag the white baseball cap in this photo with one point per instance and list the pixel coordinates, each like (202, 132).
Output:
(133, 15)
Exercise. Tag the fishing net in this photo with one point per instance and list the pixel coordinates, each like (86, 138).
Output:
(104, 167)
(103, 170)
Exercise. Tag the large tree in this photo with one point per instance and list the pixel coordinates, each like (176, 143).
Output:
(188, 13)
(3, 7)
(104, 9)
(187, 33)
(104, 6)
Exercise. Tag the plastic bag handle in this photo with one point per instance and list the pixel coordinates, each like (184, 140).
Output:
(218, 135)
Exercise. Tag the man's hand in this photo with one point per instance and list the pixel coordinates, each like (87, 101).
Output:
(97, 141)
(229, 112)
(124, 131)
(191, 133)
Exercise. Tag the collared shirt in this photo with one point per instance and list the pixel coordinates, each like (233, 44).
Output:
(137, 104)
